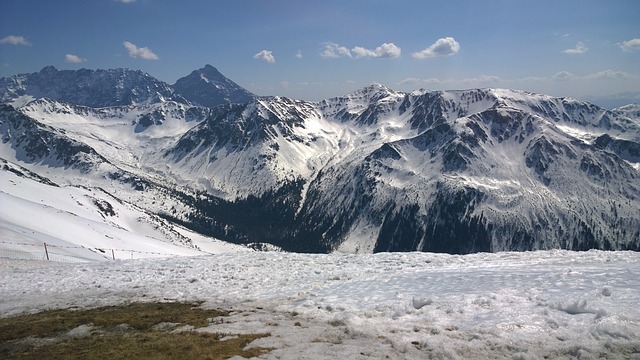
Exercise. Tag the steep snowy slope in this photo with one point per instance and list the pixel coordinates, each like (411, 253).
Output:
(66, 149)
(85, 224)
(247, 149)
(374, 170)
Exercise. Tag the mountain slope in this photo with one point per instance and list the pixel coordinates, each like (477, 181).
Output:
(83, 224)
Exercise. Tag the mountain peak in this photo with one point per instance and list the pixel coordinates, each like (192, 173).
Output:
(372, 91)
(376, 88)
(48, 70)
(376, 85)
(208, 87)
(210, 70)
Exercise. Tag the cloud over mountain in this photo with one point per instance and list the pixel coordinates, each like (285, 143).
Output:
(140, 52)
(266, 56)
(612, 74)
(74, 59)
(442, 47)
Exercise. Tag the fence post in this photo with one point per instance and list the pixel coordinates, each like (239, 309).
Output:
(46, 252)
(113, 255)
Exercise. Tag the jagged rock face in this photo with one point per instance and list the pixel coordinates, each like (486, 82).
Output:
(374, 170)
(208, 87)
(94, 88)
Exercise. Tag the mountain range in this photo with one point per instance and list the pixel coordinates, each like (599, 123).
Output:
(373, 170)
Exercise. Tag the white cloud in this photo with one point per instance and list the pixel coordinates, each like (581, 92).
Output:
(142, 53)
(630, 46)
(435, 81)
(386, 50)
(476, 80)
(265, 55)
(579, 49)
(411, 80)
(14, 40)
(442, 47)
(611, 74)
(563, 76)
(333, 50)
(608, 74)
(299, 54)
(484, 78)
(533, 78)
(74, 59)
(126, 1)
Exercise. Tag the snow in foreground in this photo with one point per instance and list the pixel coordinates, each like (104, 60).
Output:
(554, 304)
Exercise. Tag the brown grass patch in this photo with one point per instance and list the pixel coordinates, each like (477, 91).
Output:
(46, 335)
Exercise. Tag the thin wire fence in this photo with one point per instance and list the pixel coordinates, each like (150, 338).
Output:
(45, 253)
(40, 255)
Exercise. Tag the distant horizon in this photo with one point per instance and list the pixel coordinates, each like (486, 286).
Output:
(606, 102)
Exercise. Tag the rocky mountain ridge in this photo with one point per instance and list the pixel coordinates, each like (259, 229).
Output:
(121, 87)
(373, 170)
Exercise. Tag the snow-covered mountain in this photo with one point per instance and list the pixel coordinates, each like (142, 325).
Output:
(373, 170)
(631, 110)
(95, 88)
(208, 87)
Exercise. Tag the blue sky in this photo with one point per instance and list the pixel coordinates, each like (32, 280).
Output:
(319, 49)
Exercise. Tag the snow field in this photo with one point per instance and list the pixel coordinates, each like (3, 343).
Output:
(69, 220)
(557, 304)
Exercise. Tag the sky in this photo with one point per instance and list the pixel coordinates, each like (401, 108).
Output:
(314, 50)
